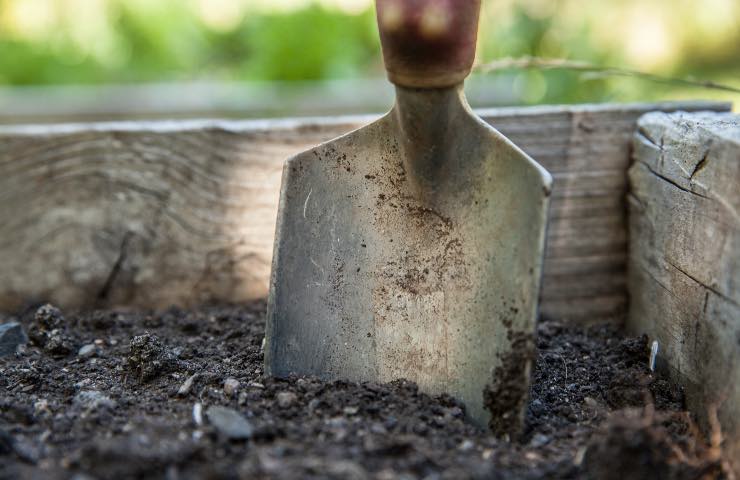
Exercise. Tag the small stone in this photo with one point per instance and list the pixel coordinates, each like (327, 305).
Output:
(93, 400)
(313, 405)
(231, 385)
(537, 408)
(87, 351)
(466, 446)
(532, 456)
(187, 385)
(243, 396)
(256, 385)
(539, 440)
(351, 410)
(378, 429)
(11, 337)
(229, 423)
(82, 383)
(286, 399)
(41, 406)
(198, 414)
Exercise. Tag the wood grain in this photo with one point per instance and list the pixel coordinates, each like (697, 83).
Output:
(158, 213)
(684, 261)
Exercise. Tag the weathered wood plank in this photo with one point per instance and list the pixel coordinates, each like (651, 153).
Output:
(684, 261)
(156, 213)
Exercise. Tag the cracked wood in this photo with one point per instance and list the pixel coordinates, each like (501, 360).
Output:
(684, 256)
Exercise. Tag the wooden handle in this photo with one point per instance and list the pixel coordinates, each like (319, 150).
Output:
(428, 43)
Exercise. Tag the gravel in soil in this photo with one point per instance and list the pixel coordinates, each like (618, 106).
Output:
(181, 394)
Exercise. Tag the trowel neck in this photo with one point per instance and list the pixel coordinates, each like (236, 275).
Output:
(424, 115)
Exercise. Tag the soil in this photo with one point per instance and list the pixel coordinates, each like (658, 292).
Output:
(129, 394)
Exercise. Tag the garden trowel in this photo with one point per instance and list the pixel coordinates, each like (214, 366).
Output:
(412, 248)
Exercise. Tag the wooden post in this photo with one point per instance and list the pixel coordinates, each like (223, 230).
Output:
(684, 261)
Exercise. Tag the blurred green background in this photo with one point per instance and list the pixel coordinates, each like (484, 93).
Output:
(235, 42)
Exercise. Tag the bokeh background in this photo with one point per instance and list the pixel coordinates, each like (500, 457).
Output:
(99, 59)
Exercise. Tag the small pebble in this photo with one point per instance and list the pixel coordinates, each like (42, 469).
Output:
(187, 385)
(313, 405)
(286, 399)
(87, 351)
(466, 446)
(11, 337)
(539, 440)
(537, 407)
(41, 406)
(351, 410)
(378, 429)
(198, 414)
(231, 385)
(229, 423)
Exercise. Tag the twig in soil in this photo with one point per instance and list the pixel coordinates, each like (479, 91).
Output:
(540, 63)
(653, 354)
(565, 365)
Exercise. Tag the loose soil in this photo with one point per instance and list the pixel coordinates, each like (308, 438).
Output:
(124, 408)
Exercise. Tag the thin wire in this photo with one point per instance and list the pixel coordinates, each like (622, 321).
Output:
(580, 66)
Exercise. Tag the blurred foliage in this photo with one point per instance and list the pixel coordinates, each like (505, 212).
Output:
(122, 41)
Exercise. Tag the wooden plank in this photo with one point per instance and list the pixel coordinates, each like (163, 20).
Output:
(158, 213)
(684, 261)
(587, 311)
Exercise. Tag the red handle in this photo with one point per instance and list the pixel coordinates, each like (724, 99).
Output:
(428, 43)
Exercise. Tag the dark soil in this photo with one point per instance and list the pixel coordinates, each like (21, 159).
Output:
(142, 402)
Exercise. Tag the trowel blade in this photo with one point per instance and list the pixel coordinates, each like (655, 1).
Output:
(377, 275)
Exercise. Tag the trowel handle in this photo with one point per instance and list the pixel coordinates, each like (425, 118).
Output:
(428, 43)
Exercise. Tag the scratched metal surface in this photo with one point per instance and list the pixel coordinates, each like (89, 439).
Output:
(410, 248)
